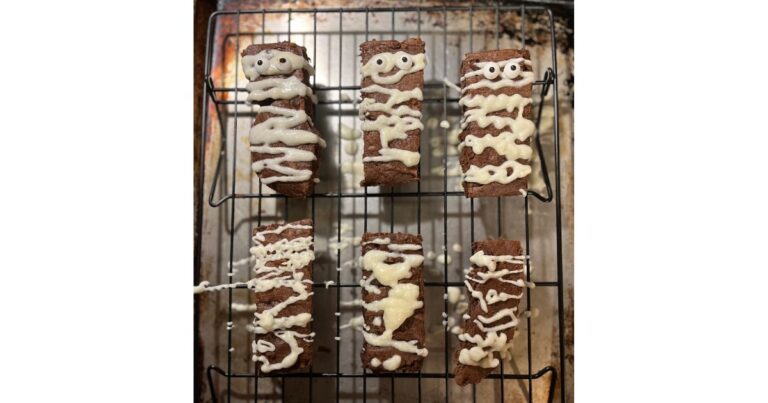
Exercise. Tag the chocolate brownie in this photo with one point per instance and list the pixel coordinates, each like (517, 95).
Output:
(299, 174)
(270, 333)
(523, 75)
(375, 357)
(391, 171)
(464, 374)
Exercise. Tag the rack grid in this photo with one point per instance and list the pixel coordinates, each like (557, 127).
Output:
(223, 97)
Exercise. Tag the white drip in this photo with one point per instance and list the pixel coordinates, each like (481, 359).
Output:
(398, 120)
(480, 109)
(402, 298)
(278, 88)
(293, 255)
(280, 128)
(494, 340)
(390, 128)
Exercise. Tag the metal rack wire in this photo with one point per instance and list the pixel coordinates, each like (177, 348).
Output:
(223, 97)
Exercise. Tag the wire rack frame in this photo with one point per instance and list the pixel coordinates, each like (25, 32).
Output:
(547, 82)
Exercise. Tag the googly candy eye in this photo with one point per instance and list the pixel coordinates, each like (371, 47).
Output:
(512, 70)
(381, 64)
(262, 65)
(491, 71)
(282, 64)
(403, 61)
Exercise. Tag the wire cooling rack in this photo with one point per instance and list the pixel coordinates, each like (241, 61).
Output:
(227, 102)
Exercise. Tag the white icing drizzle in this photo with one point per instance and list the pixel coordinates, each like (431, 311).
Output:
(356, 323)
(293, 255)
(398, 120)
(494, 339)
(451, 84)
(280, 128)
(480, 109)
(484, 105)
(402, 298)
(396, 97)
(390, 128)
(491, 173)
(278, 88)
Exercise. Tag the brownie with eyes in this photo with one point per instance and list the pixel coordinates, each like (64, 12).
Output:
(391, 70)
(278, 77)
(497, 86)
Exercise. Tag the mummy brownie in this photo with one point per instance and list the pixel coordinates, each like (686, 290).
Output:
(284, 141)
(393, 79)
(495, 285)
(495, 151)
(283, 256)
(393, 302)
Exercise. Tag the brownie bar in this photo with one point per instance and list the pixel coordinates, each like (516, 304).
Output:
(267, 296)
(465, 374)
(393, 172)
(374, 357)
(489, 156)
(300, 102)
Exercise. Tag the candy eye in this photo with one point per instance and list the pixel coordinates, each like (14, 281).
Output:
(491, 71)
(404, 61)
(283, 65)
(262, 65)
(381, 64)
(512, 70)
